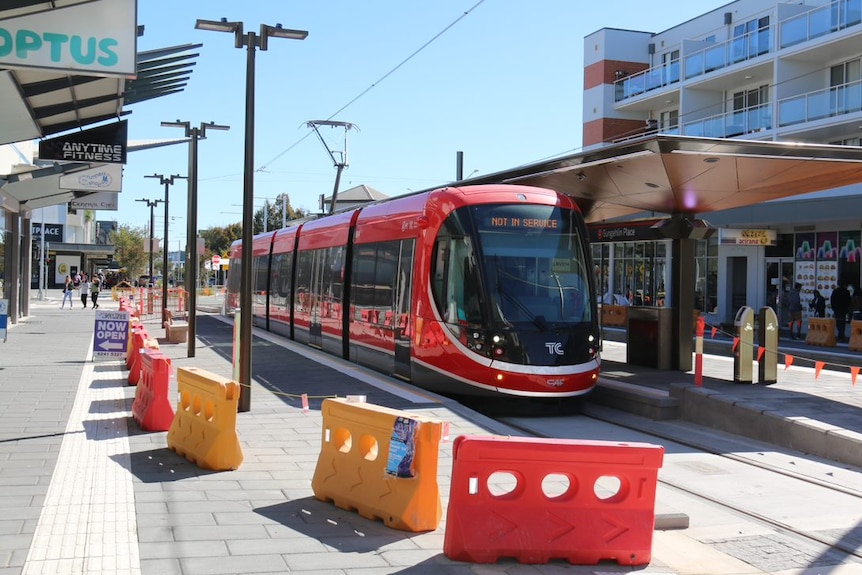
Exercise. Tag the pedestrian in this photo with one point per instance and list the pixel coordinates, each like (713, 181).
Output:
(818, 304)
(85, 290)
(794, 306)
(68, 288)
(94, 292)
(840, 301)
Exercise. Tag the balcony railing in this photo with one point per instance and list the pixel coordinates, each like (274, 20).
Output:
(827, 103)
(723, 54)
(732, 124)
(820, 21)
(642, 82)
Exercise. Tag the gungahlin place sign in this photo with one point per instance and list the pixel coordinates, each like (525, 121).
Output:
(106, 144)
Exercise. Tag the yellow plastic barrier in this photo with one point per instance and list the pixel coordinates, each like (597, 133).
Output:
(380, 462)
(855, 335)
(204, 428)
(821, 331)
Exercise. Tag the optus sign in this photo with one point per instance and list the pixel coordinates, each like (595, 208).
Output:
(94, 37)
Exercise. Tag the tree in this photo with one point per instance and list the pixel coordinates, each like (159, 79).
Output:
(128, 244)
(274, 214)
(218, 239)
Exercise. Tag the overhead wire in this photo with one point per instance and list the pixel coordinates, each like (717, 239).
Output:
(376, 83)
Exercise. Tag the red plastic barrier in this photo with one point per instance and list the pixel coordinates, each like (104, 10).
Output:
(152, 408)
(558, 508)
(140, 340)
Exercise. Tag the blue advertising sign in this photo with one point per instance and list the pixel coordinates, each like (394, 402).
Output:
(111, 334)
(4, 317)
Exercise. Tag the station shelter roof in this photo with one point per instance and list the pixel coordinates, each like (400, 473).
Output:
(668, 174)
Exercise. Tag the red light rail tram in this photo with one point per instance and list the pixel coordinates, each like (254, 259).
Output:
(480, 290)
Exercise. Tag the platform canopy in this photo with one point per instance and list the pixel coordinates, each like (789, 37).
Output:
(684, 175)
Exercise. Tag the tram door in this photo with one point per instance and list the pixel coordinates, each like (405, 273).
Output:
(401, 305)
(779, 282)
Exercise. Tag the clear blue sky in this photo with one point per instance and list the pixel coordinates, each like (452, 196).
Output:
(503, 84)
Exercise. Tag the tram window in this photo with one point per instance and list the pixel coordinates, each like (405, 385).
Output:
(332, 274)
(384, 275)
(375, 274)
(405, 277)
(282, 266)
(303, 281)
(261, 271)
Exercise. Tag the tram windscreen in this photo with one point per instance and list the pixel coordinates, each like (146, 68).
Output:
(512, 264)
(534, 264)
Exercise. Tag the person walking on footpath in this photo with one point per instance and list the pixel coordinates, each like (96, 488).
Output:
(85, 290)
(818, 304)
(68, 288)
(840, 301)
(794, 306)
(94, 292)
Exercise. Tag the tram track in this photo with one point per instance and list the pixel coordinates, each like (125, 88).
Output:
(810, 478)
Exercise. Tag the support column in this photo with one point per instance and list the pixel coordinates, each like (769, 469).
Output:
(26, 263)
(13, 267)
(683, 271)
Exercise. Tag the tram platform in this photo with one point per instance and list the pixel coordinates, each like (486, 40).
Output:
(813, 407)
(84, 490)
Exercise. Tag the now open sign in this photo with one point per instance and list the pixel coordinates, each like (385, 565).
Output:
(111, 334)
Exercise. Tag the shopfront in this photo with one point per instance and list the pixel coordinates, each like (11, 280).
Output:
(819, 260)
(633, 261)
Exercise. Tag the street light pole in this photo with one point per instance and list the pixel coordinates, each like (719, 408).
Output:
(151, 204)
(166, 182)
(194, 134)
(251, 42)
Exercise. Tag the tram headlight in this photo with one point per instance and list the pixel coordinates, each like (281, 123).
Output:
(497, 339)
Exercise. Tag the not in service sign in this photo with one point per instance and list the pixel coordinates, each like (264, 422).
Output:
(111, 334)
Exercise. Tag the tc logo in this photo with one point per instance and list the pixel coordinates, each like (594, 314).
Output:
(554, 347)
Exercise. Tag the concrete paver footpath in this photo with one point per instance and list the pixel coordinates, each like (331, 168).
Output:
(84, 490)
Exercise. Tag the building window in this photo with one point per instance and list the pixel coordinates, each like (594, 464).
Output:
(669, 122)
(706, 280)
(846, 88)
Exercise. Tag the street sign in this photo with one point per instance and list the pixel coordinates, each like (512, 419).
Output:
(111, 334)
(4, 317)
(216, 260)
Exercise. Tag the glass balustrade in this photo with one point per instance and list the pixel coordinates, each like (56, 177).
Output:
(827, 103)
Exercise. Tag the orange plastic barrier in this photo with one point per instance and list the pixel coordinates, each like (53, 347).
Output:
(855, 335)
(614, 315)
(152, 408)
(381, 462)
(204, 428)
(560, 506)
(821, 331)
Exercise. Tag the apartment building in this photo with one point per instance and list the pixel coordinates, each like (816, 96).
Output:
(755, 70)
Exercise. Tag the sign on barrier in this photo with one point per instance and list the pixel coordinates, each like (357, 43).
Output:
(111, 334)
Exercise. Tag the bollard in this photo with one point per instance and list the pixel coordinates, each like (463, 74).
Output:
(767, 338)
(698, 351)
(744, 356)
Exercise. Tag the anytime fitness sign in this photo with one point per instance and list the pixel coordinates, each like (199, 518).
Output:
(98, 38)
(105, 144)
